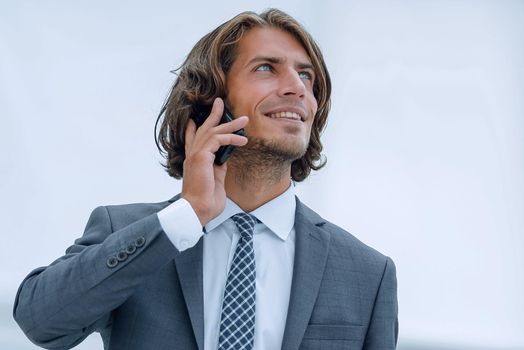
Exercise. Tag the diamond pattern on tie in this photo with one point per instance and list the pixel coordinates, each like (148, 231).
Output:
(237, 324)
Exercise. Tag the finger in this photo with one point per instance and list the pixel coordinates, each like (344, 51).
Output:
(233, 139)
(190, 134)
(214, 143)
(216, 113)
(231, 126)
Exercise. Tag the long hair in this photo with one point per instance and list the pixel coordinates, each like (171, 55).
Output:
(202, 77)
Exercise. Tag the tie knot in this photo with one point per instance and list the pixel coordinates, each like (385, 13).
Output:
(245, 223)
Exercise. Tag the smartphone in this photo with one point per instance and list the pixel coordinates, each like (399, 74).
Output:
(201, 114)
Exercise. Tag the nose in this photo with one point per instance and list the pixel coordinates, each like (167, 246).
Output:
(291, 84)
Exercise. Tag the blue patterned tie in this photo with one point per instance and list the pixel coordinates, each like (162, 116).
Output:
(237, 324)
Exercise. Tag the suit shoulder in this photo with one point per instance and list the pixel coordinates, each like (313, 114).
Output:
(131, 212)
(342, 240)
(138, 206)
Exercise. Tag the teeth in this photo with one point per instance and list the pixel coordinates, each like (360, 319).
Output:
(289, 115)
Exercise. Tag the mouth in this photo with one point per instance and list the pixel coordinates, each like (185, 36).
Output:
(286, 115)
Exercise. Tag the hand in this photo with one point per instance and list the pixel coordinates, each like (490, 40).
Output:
(203, 180)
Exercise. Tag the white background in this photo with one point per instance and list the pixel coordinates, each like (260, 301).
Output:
(425, 141)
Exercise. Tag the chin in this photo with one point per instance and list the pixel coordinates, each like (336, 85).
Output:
(278, 150)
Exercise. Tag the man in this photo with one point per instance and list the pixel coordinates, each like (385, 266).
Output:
(235, 261)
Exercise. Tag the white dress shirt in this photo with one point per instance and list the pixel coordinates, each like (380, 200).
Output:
(274, 245)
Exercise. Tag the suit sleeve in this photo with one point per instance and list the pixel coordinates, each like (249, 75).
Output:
(58, 306)
(382, 333)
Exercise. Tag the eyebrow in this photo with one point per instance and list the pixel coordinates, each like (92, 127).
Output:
(278, 60)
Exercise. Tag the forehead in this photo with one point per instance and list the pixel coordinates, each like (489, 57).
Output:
(271, 42)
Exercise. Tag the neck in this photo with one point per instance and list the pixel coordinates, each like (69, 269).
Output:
(252, 186)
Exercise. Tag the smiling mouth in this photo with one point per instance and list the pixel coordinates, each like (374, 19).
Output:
(285, 115)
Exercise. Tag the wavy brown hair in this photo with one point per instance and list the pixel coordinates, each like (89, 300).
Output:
(202, 77)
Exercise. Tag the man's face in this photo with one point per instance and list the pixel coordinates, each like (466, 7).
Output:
(271, 81)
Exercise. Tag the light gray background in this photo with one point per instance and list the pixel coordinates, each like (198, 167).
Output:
(425, 142)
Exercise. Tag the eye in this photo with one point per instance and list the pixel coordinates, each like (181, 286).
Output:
(305, 75)
(264, 68)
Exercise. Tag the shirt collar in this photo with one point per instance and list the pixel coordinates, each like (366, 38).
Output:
(278, 214)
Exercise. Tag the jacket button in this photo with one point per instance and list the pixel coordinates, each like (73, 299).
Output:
(130, 249)
(122, 255)
(140, 241)
(112, 262)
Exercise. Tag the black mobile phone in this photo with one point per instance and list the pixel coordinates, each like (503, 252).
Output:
(201, 114)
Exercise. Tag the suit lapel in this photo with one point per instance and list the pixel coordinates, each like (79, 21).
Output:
(311, 251)
(189, 265)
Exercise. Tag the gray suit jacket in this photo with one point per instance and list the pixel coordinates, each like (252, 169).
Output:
(125, 279)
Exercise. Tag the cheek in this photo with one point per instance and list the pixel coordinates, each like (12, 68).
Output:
(311, 123)
(313, 104)
(234, 99)
(232, 104)
(254, 127)
(240, 106)
(260, 126)
(309, 129)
